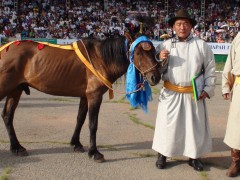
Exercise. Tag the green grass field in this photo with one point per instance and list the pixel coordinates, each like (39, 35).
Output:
(220, 66)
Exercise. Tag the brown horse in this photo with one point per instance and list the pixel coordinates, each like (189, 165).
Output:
(59, 71)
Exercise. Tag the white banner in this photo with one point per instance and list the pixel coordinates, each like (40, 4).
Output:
(217, 48)
(220, 48)
(66, 41)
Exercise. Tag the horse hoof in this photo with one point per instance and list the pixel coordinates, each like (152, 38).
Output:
(97, 158)
(20, 152)
(101, 160)
(23, 153)
(79, 149)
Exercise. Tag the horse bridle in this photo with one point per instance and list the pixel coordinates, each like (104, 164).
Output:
(131, 52)
(146, 71)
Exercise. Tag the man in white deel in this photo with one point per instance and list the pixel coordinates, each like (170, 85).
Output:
(182, 127)
(231, 90)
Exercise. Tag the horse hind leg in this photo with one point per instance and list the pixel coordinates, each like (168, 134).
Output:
(82, 112)
(8, 115)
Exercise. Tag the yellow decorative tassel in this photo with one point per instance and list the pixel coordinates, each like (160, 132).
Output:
(111, 95)
(141, 28)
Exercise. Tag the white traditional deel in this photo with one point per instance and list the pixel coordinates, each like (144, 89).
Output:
(178, 130)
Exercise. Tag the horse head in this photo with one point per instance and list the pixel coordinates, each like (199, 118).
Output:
(142, 55)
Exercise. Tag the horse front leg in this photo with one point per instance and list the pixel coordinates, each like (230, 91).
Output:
(82, 112)
(94, 106)
(8, 115)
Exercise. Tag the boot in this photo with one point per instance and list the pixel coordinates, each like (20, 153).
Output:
(234, 169)
(196, 164)
(161, 161)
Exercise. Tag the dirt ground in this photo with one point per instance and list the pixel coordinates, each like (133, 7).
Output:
(44, 125)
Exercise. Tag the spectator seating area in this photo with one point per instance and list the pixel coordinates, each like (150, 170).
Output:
(83, 18)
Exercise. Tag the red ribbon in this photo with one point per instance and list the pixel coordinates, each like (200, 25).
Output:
(40, 46)
(17, 43)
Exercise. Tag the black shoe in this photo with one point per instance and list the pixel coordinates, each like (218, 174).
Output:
(196, 164)
(161, 161)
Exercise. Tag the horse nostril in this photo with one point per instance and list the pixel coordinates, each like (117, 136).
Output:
(153, 79)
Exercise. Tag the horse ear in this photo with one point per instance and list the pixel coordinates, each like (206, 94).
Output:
(129, 37)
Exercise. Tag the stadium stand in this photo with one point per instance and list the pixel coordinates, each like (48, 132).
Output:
(75, 19)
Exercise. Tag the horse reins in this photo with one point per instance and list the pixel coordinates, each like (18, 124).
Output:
(146, 71)
(141, 85)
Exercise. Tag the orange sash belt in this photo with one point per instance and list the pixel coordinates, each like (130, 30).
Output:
(179, 89)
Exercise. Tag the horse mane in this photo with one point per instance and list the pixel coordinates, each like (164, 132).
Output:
(113, 50)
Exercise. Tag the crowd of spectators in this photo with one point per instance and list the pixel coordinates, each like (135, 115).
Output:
(83, 18)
